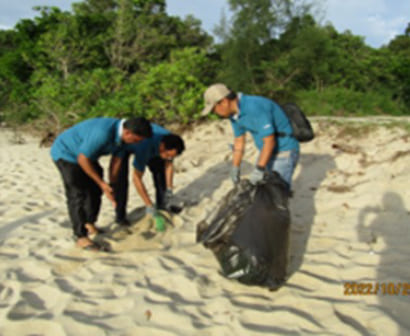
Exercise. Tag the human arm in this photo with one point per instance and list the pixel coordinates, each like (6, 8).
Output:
(169, 174)
(115, 165)
(267, 150)
(139, 185)
(87, 166)
(238, 150)
(259, 171)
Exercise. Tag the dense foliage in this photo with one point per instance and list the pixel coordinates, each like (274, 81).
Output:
(129, 57)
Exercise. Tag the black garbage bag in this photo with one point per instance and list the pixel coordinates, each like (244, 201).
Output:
(249, 232)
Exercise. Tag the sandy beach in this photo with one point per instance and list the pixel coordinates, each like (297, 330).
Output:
(350, 224)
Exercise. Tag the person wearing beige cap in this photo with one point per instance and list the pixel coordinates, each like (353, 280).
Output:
(268, 124)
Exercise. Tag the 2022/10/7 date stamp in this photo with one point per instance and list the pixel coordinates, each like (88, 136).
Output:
(376, 288)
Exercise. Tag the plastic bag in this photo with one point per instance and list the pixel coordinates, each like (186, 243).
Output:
(249, 232)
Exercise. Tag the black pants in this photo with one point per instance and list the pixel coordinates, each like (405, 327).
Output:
(82, 193)
(157, 168)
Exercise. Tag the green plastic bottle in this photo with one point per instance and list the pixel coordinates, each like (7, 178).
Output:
(159, 223)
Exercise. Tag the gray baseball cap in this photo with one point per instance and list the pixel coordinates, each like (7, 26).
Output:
(212, 95)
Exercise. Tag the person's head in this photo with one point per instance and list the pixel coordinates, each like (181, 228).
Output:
(136, 129)
(220, 100)
(171, 145)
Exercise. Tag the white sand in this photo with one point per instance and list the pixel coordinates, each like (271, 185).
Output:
(350, 222)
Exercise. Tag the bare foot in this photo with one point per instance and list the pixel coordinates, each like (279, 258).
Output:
(87, 244)
(84, 242)
(91, 229)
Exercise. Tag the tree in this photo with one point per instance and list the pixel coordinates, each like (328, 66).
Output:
(254, 24)
(399, 47)
(166, 91)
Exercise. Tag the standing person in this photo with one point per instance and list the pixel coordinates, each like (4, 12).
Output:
(268, 124)
(76, 152)
(157, 153)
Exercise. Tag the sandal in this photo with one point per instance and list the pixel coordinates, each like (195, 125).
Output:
(97, 231)
(101, 231)
(175, 209)
(95, 247)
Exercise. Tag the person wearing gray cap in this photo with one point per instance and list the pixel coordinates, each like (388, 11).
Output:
(268, 124)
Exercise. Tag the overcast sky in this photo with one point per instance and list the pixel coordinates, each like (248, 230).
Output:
(377, 20)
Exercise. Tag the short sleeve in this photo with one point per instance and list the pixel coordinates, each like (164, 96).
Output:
(92, 144)
(264, 123)
(141, 156)
(238, 130)
(139, 162)
(121, 151)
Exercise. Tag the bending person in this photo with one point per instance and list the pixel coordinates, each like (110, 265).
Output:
(268, 124)
(76, 152)
(157, 153)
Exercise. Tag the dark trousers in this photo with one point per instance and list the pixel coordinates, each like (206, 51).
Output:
(157, 167)
(82, 193)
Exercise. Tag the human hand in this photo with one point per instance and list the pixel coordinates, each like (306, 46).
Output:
(235, 174)
(108, 191)
(151, 211)
(168, 198)
(257, 175)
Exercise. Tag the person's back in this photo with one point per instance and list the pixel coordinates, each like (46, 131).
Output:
(156, 153)
(95, 137)
(262, 116)
(268, 124)
(75, 153)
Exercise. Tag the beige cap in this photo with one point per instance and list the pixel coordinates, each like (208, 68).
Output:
(212, 95)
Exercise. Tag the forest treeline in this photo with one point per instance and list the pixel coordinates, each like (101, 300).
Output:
(130, 57)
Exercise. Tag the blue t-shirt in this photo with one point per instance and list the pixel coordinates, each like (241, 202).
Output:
(145, 150)
(92, 137)
(263, 117)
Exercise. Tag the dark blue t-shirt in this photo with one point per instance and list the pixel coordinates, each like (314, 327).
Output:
(145, 150)
(263, 117)
(92, 138)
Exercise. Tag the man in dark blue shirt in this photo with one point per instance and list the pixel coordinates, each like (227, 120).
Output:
(76, 152)
(157, 153)
(268, 125)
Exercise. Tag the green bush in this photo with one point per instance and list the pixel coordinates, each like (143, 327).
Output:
(169, 91)
(69, 101)
(346, 102)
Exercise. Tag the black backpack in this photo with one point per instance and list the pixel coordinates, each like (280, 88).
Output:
(302, 130)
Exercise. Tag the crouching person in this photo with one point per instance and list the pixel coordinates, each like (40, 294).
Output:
(157, 153)
(76, 152)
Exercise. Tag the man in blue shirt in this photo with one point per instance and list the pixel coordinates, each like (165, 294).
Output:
(157, 153)
(268, 125)
(76, 152)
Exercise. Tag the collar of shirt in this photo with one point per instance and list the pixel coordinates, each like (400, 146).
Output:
(235, 117)
(120, 130)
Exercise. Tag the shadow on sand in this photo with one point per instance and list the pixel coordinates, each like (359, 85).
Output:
(392, 225)
(205, 185)
(313, 171)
